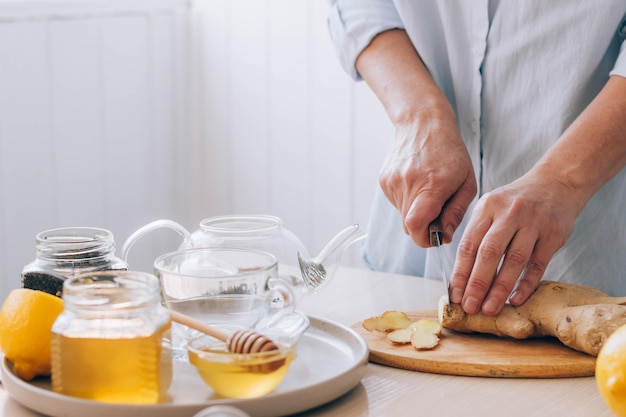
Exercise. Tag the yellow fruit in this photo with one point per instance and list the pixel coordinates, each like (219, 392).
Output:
(26, 320)
(611, 371)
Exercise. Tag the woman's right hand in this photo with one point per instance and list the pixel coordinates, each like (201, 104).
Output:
(428, 174)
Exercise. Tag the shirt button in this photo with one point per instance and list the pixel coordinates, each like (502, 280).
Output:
(474, 126)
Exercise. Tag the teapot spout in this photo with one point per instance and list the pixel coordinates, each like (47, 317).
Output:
(319, 270)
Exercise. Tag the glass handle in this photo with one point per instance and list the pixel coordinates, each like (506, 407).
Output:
(282, 295)
(282, 301)
(158, 224)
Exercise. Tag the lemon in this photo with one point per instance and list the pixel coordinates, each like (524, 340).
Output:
(26, 320)
(611, 371)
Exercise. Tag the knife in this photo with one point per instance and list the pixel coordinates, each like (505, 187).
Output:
(436, 240)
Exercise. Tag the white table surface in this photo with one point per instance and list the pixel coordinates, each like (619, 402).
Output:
(355, 294)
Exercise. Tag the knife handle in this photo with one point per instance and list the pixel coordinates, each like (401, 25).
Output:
(435, 233)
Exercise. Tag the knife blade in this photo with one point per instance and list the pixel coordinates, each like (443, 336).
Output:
(436, 240)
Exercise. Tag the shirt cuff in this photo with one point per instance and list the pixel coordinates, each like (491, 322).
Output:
(354, 23)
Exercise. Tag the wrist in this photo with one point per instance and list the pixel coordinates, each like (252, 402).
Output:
(577, 184)
(427, 106)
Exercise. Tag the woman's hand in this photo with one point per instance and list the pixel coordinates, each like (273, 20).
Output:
(513, 233)
(524, 223)
(428, 174)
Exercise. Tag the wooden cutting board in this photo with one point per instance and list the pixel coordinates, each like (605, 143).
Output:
(481, 355)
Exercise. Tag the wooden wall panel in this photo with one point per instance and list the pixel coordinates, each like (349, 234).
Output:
(249, 108)
(29, 196)
(331, 137)
(293, 136)
(373, 134)
(211, 108)
(179, 110)
(91, 121)
(76, 110)
(127, 134)
(289, 95)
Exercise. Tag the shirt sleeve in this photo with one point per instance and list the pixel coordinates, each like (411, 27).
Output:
(620, 65)
(354, 23)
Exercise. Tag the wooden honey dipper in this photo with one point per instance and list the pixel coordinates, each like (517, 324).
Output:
(242, 341)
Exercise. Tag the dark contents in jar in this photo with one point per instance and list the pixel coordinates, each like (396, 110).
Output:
(43, 282)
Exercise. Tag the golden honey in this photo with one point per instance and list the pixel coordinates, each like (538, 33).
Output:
(111, 342)
(134, 370)
(242, 376)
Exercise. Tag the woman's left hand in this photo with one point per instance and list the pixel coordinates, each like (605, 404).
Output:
(513, 233)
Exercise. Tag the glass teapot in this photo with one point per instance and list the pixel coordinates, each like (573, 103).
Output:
(263, 232)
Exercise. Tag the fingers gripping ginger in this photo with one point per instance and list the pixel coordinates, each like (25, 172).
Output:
(582, 318)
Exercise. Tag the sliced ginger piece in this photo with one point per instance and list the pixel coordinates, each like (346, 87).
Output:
(423, 326)
(423, 339)
(401, 336)
(432, 326)
(388, 321)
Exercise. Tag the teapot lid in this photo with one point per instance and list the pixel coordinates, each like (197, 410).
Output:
(236, 225)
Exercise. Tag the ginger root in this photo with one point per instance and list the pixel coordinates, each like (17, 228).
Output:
(581, 317)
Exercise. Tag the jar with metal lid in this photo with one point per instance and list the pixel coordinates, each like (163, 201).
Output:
(67, 252)
(111, 342)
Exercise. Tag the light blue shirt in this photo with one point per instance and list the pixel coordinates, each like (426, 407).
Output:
(517, 73)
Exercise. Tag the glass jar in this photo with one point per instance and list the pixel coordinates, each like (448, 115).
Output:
(67, 252)
(111, 342)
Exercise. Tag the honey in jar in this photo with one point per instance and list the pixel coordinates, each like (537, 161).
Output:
(111, 342)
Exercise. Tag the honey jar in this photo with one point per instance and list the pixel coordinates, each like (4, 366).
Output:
(111, 343)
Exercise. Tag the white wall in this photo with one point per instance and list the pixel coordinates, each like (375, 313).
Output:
(92, 118)
(114, 113)
(283, 130)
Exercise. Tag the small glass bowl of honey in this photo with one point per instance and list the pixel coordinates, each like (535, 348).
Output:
(250, 375)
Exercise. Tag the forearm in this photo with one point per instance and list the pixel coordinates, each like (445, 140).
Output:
(428, 173)
(593, 149)
(396, 74)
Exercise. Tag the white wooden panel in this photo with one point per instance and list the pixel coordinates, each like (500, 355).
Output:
(139, 138)
(249, 107)
(278, 127)
(211, 148)
(275, 102)
(91, 129)
(331, 137)
(165, 150)
(28, 175)
(374, 136)
(53, 9)
(127, 134)
(289, 94)
(180, 107)
(164, 171)
(75, 101)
